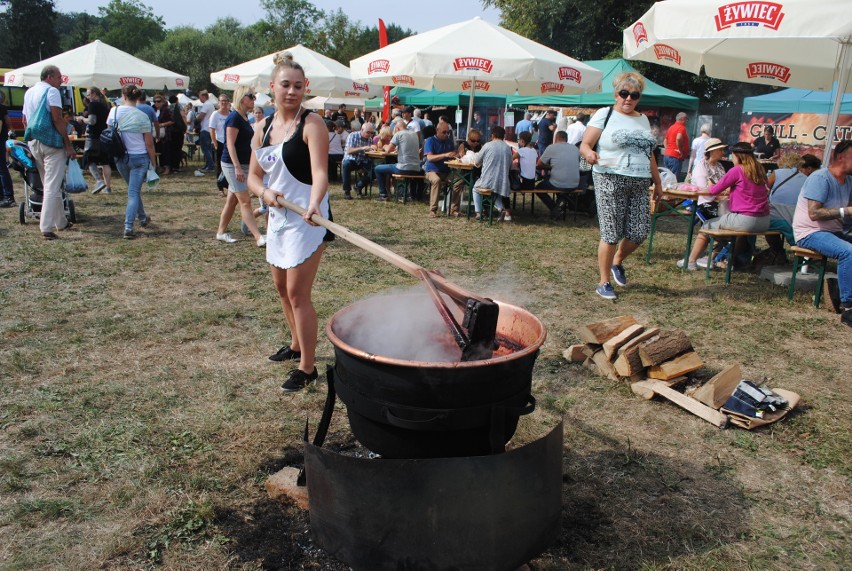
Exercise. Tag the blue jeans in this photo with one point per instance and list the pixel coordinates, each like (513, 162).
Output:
(134, 170)
(386, 170)
(5, 177)
(348, 167)
(672, 164)
(206, 144)
(838, 246)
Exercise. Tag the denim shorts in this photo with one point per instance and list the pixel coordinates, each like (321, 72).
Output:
(231, 176)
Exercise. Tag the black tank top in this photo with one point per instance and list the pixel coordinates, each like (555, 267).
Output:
(294, 151)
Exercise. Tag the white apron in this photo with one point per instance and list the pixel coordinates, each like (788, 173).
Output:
(289, 239)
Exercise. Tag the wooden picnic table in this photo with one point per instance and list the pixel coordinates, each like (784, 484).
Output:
(671, 203)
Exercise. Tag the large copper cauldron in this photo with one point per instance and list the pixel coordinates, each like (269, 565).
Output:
(422, 409)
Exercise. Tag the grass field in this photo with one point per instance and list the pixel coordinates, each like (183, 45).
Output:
(140, 417)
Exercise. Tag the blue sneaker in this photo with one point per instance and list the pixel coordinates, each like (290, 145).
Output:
(618, 275)
(606, 291)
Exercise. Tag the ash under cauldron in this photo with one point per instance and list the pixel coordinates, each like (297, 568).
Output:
(406, 391)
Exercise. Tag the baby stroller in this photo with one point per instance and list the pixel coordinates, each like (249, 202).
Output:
(21, 160)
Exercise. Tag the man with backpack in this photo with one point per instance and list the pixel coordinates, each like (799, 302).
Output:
(47, 136)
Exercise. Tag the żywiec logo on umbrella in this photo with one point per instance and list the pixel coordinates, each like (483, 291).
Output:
(127, 80)
(232, 78)
(664, 51)
(639, 33)
(570, 74)
(11, 78)
(768, 70)
(179, 82)
(473, 63)
(398, 79)
(480, 85)
(360, 87)
(754, 14)
(378, 66)
(552, 87)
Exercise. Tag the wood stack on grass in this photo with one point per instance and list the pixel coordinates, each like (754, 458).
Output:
(652, 360)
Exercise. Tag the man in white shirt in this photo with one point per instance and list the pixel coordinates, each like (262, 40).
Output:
(577, 129)
(205, 112)
(42, 114)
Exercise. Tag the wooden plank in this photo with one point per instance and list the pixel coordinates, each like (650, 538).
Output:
(700, 410)
(678, 366)
(603, 331)
(612, 345)
(670, 344)
(575, 354)
(606, 368)
(647, 393)
(628, 363)
(715, 392)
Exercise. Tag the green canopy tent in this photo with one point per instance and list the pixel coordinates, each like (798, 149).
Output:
(796, 101)
(424, 98)
(655, 95)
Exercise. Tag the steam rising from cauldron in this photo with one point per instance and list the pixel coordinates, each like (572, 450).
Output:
(405, 327)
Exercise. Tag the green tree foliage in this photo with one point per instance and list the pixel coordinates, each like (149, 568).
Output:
(27, 27)
(290, 22)
(129, 25)
(75, 29)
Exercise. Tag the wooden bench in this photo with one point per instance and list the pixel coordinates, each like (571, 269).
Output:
(800, 257)
(403, 182)
(729, 236)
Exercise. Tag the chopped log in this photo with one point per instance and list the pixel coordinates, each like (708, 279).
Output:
(644, 388)
(589, 349)
(628, 362)
(678, 366)
(611, 346)
(647, 393)
(606, 368)
(603, 331)
(575, 354)
(282, 484)
(716, 391)
(590, 365)
(641, 338)
(669, 345)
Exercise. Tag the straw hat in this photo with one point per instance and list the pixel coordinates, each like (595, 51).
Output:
(712, 144)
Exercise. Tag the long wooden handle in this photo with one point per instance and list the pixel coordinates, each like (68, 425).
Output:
(404, 264)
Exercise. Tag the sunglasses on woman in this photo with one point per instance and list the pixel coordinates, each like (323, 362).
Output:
(250, 96)
(634, 95)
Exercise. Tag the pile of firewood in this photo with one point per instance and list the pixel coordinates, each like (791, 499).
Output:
(621, 348)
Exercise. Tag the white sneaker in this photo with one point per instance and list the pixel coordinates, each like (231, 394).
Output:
(261, 242)
(691, 266)
(199, 173)
(507, 218)
(99, 187)
(701, 262)
(227, 238)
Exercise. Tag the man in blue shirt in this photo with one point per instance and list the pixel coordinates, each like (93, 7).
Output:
(357, 143)
(524, 125)
(546, 128)
(438, 149)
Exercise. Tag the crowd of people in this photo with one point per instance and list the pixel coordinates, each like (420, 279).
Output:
(294, 152)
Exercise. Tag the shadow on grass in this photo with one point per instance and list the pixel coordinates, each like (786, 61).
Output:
(622, 509)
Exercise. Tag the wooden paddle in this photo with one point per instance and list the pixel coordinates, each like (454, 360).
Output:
(480, 314)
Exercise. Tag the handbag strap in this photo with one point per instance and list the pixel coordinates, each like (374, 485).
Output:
(606, 122)
(771, 192)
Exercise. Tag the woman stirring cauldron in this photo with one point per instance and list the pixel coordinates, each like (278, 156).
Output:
(292, 149)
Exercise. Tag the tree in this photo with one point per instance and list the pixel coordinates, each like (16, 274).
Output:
(27, 28)
(75, 29)
(289, 22)
(129, 25)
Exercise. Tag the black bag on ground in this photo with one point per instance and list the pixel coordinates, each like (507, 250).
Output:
(111, 143)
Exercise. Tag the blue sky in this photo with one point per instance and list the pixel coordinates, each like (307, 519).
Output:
(202, 13)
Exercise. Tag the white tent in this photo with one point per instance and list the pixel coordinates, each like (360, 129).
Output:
(101, 65)
(324, 75)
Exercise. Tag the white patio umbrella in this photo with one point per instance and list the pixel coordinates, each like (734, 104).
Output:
(476, 56)
(316, 103)
(789, 43)
(99, 64)
(324, 75)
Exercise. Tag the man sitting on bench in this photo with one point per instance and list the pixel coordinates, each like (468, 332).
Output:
(825, 203)
(408, 160)
(563, 163)
(749, 202)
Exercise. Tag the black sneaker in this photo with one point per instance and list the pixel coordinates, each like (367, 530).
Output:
(845, 318)
(9, 203)
(347, 195)
(285, 353)
(381, 198)
(145, 221)
(298, 379)
(129, 235)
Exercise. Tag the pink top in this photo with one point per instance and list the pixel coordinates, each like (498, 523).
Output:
(747, 198)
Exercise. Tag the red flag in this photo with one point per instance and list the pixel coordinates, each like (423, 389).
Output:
(383, 41)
